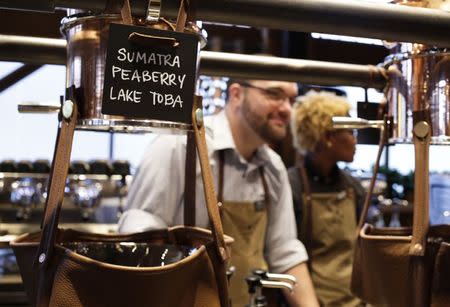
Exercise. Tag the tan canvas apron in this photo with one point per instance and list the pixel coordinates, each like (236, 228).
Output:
(246, 222)
(328, 228)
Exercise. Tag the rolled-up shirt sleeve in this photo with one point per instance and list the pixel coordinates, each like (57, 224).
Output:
(155, 194)
(283, 249)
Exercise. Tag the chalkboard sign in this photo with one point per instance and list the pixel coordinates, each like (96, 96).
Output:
(150, 73)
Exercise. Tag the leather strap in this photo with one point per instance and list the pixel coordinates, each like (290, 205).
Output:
(190, 180)
(126, 13)
(421, 182)
(221, 174)
(421, 185)
(307, 240)
(182, 16)
(210, 195)
(113, 6)
(365, 209)
(265, 186)
(55, 196)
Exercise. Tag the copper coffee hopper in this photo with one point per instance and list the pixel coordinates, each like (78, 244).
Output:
(419, 82)
(87, 41)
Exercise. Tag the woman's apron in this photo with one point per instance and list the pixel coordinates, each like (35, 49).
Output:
(328, 232)
(246, 222)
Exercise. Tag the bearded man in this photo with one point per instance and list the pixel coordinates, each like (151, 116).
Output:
(251, 180)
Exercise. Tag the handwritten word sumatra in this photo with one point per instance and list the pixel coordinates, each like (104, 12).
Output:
(151, 58)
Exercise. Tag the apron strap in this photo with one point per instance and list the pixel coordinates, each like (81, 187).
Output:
(221, 167)
(307, 233)
(190, 177)
(265, 186)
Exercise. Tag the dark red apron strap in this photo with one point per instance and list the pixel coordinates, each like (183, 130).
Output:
(190, 180)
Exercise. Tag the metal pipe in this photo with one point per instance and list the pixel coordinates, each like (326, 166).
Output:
(343, 122)
(36, 107)
(17, 75)
(33, 50)
(304, 71)
(28, 5)
(53, 51)
(351, 17)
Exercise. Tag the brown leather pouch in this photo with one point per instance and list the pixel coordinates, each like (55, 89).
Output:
(404, 266)
(56, 275)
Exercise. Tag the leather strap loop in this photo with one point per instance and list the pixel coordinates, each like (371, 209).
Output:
(55, 197)
(57, 183)
(126, 13)
(182, 16)
(421, 189)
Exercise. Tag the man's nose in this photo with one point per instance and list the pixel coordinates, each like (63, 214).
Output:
(285, 105)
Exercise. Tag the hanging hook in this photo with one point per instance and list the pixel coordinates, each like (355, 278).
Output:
(153, 11)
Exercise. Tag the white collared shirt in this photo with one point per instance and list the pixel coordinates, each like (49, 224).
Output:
(155, 199)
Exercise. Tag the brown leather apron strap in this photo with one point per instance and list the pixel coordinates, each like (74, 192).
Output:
(307, 233)
(365, 209)
(190, 180)
(265, 186)
(221, 167)
(208, 183)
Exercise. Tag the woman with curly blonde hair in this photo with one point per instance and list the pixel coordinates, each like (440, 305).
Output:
(326, 198)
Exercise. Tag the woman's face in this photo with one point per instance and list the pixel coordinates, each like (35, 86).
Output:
(343, 144)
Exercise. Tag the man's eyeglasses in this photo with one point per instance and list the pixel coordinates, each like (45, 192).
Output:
(274, 94)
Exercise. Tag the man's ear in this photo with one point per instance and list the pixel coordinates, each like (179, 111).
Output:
(235, 93)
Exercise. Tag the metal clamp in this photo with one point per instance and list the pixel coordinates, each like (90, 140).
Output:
(153, 11)
(42, 257)
(67, 109)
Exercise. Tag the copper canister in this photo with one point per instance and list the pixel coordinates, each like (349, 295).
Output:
(87, 41)
(419, 81)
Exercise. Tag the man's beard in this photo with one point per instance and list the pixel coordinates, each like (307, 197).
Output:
(261, 124)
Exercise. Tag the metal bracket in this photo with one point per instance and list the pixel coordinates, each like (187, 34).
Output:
(199, 117)
(153, 11)
(421, 129)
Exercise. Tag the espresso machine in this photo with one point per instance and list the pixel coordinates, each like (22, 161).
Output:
(94, 196)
